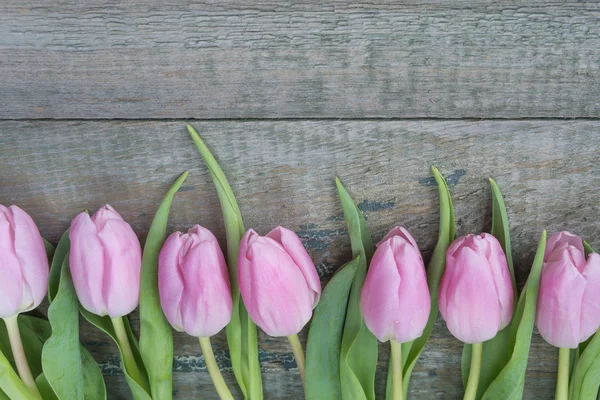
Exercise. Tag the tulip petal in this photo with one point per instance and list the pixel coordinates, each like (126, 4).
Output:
(561, 240)
(558, 316)
(414, 302)
(590, 306)
(293, 246)
(31, 252)
(401, 232)
(206, 300)
(86, 259)
(122, 267)
(170, 280)
(280, 301)
(471, 313)
(11, 279)
(502, 279)
(379, 296)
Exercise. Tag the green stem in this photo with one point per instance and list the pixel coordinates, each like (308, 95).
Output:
(213, 369)
(562, 382)
(473, 382)
(16, 344)
(397, 387)
(128, 359)
(298, 354)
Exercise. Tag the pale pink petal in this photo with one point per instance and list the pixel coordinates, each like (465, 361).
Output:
(280, 302)
(170, 280)
(560, 240)
(293, 246)
(11, 279)
(502, 278)
(86, 258)
(379, 296)
(31, 252)
(206, 304)
(590, 306)
(558, 315)
(471, 307)
(122, 264)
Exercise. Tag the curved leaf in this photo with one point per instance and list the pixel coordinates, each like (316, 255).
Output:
(358, 361)
(510, 381)
(61, 356)
(11, 384)
(241, 331)
(325, 336)
(154, 327)
(44, 387)
(496, 351)
(435, 269)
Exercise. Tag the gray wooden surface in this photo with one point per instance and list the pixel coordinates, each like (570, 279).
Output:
(93, 101)
(149, 59)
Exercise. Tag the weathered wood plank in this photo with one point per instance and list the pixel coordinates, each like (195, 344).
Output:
(282, 173)
(270, 59)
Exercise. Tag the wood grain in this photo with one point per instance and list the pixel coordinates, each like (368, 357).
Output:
(283, 173)
(272, 59)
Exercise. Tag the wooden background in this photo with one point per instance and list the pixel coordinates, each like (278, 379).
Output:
(94, 99)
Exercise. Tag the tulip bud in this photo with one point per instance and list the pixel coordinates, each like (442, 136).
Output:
(278, 281)
(476, 293)
(568, 311)
(395, 300)
(23, 263)
(106, 262)
(193, 283)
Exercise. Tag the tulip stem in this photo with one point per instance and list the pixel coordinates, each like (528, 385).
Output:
(298, 354)
(397, 386)
(562, 381)
(16, 344)
(129, 362)
(473, 382)
(213, 369)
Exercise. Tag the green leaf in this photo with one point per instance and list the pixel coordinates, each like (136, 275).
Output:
(510, 381)
(10, 383)
(588, 249)
(94, 387)
(61, 252)
(61, 355)
(154, 327)
(495, 351)
(44, 387)
(49, 250)
(34, 332)
(241, 331)
(325, 336)
(106, 326)
(412, 350)
(358, 361)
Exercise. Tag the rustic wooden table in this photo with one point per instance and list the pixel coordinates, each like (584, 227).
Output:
(94, 99)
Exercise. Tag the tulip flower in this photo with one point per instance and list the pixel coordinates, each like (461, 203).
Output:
(106, 260)
(568, 311)
(279, 284)
(395, 300)
(194, 289)
(24, 278)
(476, 295)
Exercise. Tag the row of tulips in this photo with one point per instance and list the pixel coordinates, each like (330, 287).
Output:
(187, 281)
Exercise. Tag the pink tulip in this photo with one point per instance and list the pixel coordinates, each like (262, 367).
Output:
(23, 263)
(193, 283)
(106, 262)
(278, 281)
(395, 299)
(476, 293)
(568, 310)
